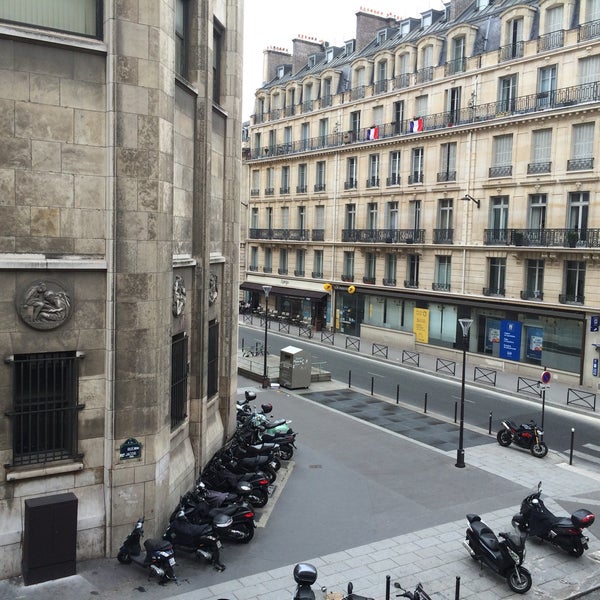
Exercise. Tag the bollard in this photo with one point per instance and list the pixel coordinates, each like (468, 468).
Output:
(397, 393)
(490, 424)
(349, 378)
(455, 411)
(425, 404)
(457, 589)
(372, 384)
(572, 444)
(387, 587)
(242, 344)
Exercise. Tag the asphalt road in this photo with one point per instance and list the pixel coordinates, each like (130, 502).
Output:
(443, 394)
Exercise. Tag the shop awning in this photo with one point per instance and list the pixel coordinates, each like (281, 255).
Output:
(285, 291)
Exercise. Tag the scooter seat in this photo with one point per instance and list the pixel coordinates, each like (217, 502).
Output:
(275, 423)
(156, 544)
(485, 534)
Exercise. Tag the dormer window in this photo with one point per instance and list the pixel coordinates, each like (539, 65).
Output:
(381, 36)
(328, 55)
(280, 72)
(349, 47)
(426, 20)
(481, 4)
(404, 28)
(311, 61)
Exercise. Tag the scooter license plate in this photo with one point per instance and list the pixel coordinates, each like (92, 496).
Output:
(219, 544)
(172, 561)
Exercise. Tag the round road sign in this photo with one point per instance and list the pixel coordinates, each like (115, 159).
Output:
(546, 377)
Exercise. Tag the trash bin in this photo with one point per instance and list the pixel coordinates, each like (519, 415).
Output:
(294, 368)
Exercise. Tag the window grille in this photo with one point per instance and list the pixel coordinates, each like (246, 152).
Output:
(45, 405)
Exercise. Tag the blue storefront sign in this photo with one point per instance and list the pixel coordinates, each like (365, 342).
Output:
(510, 340)
(595, 367)
(594, 323)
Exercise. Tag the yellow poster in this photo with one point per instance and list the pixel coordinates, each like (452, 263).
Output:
(421, 325)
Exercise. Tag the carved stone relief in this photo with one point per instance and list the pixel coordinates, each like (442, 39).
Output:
(178, 296)
(44, 305)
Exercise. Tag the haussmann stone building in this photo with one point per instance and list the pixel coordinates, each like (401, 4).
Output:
(119, 239)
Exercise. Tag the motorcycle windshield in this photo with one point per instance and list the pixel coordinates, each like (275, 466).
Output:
(517, 538)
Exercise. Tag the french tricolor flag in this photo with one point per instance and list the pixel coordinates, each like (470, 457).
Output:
(416, 125)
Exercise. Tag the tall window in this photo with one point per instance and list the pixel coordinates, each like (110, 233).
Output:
(443, 269)
(412, 271)
(351, 173)
(255, 191)
(414, 208)
(317, 264)
(270, 189)
(381, 77)
(496, 277)
(534, 279)
(447, 162)
(546, 87)
(45, 405)
(537, 211)
(283, 261)
(541, 151)
(287, 138)
(355, 124)
(514, 35)
(212, 366)
(348, 274)
(181, 25)
(501, 156)
(217, 55)
(417, 160)
(323, 131)
(391, 265)
(285, 180)
(372, 215)
(592, 10)
(507, 93)
(326, 96)
(453, 104)
(444, 234)
(398, 116)
(370, 267)
(391, 215)
(582, 147)
(457, 64)
(350, 219)
(254, 258)
(574, 282)
(394, 168)
(179, 377)
(268, 268)
(320, 218)
(72, 16)
(498, 218)
(269, 215)
(373, 180)
(320, 176)
(285, 217)
(300, 260)
(301, 188)
(305, 136)
(301, 218)
(254, 218)
(579, 206)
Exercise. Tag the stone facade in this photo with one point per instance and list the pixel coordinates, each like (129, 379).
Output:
(438, 164)
(119, 219)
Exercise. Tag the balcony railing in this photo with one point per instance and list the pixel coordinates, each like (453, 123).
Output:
(267, 269)
(284, 190)
(502, 171)
(580, 164)
(539, 167)
(511, 51)
(282, 271)
(254, 192)
(440, 287)
(458, 65)
(425, 74)
(347, 277)
(522, 105)
(269, 191)
(571, 298)
(350, 184)
(589, 31)
(446, 176)
(384, 236)
(295, 235)
(369, 280)
(299, 273)
(301, 189)
(317, 274)
(555, 238)
(411, 283)
(532, 295)
(373, 182)
(318, 235)
(550, 41)
(395, 179)
(389, 282)
(319, 187)
(416, 177)
(443, 236)
(493, 291)
(381, 86)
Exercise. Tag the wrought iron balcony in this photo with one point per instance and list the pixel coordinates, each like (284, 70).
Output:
(511, 51)
(369, 280)
(301, 189)
(282, 271)
(502, 171)
(373, 182)
(571, 298)
(440, 287)
(317, 274)
(589, 31)
(252, 267)
(411, 283)
(381, 86)
(425, 74)
(403, 80)
(539, 167)
(580, 164)
(347, 277)
(384, 236)
(443, 236)
(269, 191)
(490, 291)
(566, 238)
(350, 184)
(532, 295)
(255, 192)
(297, 235)
(395, 179)
(550, 41)
(319, 187)
(416, 177)
(298, 273)
(389, 282)
(284, 190)
(318, 235)
(446, 176)
(458, 65)
(267, 269)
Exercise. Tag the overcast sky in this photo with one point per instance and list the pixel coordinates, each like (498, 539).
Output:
(278, 22)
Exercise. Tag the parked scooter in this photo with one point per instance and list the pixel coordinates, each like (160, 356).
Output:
(526, 435)
(305, 575)
(199, 540)
(504, 556)
(418, 594)
(158, 558)
(564, 532)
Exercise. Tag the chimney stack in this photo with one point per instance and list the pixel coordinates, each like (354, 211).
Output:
(368, 23)
(274, 57)
(304, 46)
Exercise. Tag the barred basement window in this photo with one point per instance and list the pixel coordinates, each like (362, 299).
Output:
(179, 379)
(45, 405)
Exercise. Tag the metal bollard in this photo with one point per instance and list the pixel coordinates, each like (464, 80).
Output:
(372, 384)
(425, 404)
(490, 424)
(387, 587)
(397, 393)
(572, 444)
(349, 379)
(455, 411)
(457, 589)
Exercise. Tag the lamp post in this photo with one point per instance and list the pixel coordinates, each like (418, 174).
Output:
(460, 453)
(267, 290)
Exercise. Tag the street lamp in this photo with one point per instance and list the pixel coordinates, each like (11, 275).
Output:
(460, 453)
(267, 290)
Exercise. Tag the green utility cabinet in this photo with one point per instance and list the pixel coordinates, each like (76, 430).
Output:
(49, 538)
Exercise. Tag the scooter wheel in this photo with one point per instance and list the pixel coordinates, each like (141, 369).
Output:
(577, 549)
(124, 558)
(258, 498)
(246, 530)
(519, 580)
(286, 452)
(539, 450)
(504, 438)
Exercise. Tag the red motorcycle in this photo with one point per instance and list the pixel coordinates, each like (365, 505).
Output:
(526, 435)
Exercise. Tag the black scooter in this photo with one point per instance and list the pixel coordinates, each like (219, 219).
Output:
(200, 540)
(305, 575)
(504, 556)
(158, 558)
(564, 532)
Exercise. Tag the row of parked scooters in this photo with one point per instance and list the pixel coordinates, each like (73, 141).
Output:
(221, 506)
(505, 554)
